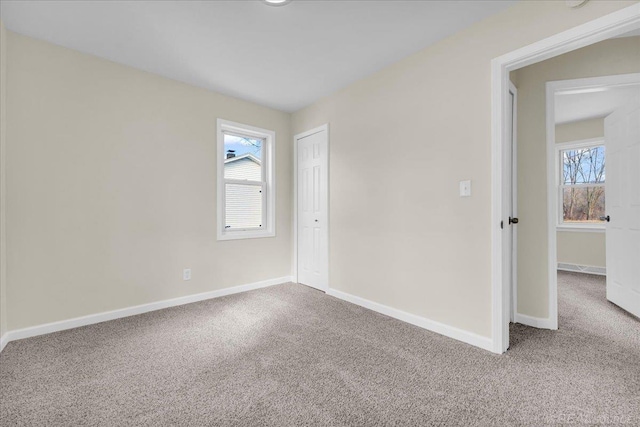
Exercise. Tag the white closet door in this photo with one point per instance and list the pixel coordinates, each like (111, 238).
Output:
(312, 210)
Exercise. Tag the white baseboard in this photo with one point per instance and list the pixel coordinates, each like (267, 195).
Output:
(536, 322)
(576, 268)
(91, 319)
(4, 340)
(467, 337)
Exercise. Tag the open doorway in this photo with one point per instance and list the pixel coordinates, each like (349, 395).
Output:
(535, 305)
(574, 116)
(593, 148)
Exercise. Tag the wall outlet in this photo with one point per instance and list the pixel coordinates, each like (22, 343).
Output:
(465, 188)
(186, 274)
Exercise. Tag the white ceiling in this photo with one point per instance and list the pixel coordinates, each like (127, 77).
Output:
(591, 104)
(284, 57)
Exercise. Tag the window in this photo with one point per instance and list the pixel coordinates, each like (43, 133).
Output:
(581, 189)
(246, 185)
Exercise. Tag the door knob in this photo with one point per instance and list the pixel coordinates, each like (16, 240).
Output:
(513, 220)
(605, 218)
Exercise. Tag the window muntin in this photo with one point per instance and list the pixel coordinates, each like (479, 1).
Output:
(582, 184)
(246, 203)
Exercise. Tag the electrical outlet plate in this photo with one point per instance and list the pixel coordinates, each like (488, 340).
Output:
(186, 274)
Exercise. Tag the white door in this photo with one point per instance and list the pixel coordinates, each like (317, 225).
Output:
(509, 192)
(513, 202)
(622, 189)
(313, 210)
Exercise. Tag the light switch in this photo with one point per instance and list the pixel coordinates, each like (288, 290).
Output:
(465, 188)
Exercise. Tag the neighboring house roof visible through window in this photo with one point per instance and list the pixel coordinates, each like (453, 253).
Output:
(244, 167)
(244, 156)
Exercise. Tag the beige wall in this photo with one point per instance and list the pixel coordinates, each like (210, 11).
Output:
(588, 249)
(616, 56)
(112, 179)
(576, 131)
(112, 187)
(3, 128)
(400, 142)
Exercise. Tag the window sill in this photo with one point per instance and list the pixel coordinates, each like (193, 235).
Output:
(582, 228)
(246, 235)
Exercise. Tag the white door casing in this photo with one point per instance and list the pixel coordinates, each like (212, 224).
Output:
(622, 189)
(312, 209)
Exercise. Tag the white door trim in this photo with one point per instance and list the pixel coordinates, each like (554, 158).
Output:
(608, 26)
(296, 138)
(553, 170)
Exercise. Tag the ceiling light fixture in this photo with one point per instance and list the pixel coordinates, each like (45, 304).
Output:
(574, 4)
(276, 2)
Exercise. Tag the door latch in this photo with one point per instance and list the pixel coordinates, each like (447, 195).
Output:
(513, 220)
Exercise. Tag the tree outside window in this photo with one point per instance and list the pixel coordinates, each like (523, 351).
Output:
(582, 187)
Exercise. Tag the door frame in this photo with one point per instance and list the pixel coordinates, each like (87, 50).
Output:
(553, 204)
(605, 27)
(296, 138)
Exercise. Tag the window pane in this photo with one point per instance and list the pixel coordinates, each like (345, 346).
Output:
(243, 206)
(583, 205)
(583, 166)
(243, 157)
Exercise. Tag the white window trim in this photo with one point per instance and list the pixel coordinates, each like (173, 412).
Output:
(560, 224)
(268, 170)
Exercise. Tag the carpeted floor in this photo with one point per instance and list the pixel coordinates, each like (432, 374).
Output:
(289, 355)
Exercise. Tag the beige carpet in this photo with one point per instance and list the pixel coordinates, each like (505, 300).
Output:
(289, 355)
